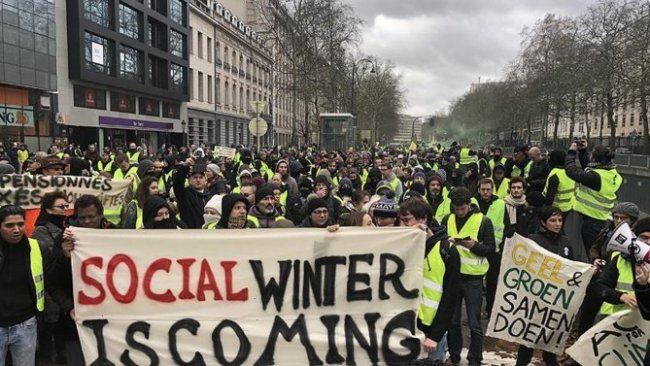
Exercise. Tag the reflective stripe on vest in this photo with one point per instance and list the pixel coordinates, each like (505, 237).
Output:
(433, 269)
(470, 263)
(496, 212)
(565, 195)
(623, 284)
(36, 266)
(598, 204)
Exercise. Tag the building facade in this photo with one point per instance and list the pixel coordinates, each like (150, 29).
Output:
(27, 72)
(123, 71)
(405, 128)
(230, 68)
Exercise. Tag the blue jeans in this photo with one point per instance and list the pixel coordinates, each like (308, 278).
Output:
(472, 292)
(20, 339)
(440, 354)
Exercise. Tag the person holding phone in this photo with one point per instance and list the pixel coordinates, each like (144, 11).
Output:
(473, 235)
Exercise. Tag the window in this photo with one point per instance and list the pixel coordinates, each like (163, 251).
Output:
(157, 34)
(171, 110)
(177, 11)
(209, 47)
(191, 82)
(632, 119)
(130, 63)
(99, 12)
(176, 43)
(209, 89)
(149, 107)
(99, 53)
(640, 119)
(241, 98)
(217, 52)
(199, 44)
(122, 102)
(217, 90)
(157, 72)
(234, 96)
(177, 77)
(159, 6)
(86, 97)
(226, 90)
(200, 77)
(623, 121)
(130, 22)
(191, 43)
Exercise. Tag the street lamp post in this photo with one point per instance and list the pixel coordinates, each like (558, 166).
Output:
(354, 72)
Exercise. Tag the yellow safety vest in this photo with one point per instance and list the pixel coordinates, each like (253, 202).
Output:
(59, 155)
(105, 168)
(516, 172)
(502, 190)
(138, 221)
(36, 266)
(433, 269)
(598, 204)
(363, 175)
(492, 163)
(565, 195)
(133, 158)
(623, 284)
(119, 175)
(496, 212)
(470, 263)
(394, 184)
(444, 208)
(255, 222)
(466, 158)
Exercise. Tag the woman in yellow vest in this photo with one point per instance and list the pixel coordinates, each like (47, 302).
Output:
(551, 238)
(133, 212)
(597, 183)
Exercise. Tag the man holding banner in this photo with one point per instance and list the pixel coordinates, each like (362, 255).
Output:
(440, 295)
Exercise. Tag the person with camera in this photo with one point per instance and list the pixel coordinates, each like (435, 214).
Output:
(192, 199)
(596, 194)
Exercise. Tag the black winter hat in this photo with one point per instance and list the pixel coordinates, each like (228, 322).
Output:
(263, 191)
(314, 204)
(321, 179)
(151, 206)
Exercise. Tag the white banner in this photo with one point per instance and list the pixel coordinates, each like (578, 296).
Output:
(27, 190)
(227, 152)
(276, 296)
(538, 296)
(621, 339)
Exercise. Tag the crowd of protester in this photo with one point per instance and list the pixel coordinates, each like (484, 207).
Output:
(467, 200)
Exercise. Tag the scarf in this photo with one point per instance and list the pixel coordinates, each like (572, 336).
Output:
(511, 206)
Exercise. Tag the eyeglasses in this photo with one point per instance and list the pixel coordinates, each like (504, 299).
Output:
(63, 207)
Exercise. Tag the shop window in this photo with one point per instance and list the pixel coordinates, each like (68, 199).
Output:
(171, 110)
(87, 97)
(122, 103)
(149, 107)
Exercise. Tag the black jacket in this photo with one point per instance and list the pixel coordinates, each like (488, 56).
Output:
(450, 285)
(190, 202)
(576, 172)
(17, 291)
(643, 299)
(555, 243)
(537, 176)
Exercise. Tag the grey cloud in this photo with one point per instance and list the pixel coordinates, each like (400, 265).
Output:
(441, 46)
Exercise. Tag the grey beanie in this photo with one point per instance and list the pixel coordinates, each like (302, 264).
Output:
(442, 174)
(7, 169)
(628, 209)
(385, 207)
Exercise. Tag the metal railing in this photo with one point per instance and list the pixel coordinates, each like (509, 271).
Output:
(633, 160)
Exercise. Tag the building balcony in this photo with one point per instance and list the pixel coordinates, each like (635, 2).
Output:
(242, 73)
(254, 79)
(218, 62)
(226, 66)
(233, 69)
(248, 77)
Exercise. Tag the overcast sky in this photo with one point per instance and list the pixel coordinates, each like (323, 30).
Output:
(441, 46)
